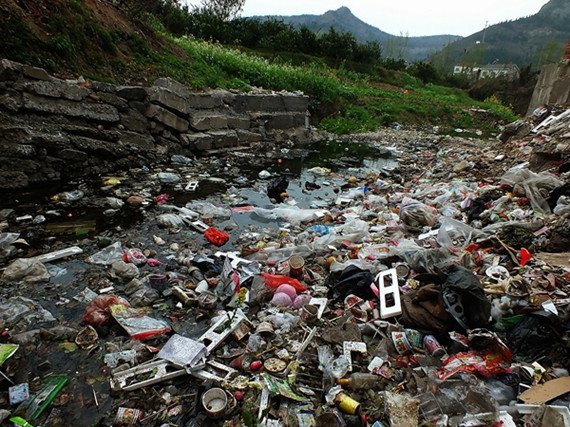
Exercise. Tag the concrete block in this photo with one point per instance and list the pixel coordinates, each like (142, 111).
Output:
(13, 179)
(281, 120)
(169, 99)
(134, 121)
(204, 121)
(73, 155)
(132, 93)
(239, 122)
(103, 87)
(224, 139)
(136, 140)
(174, 86)
(36, 73)
(10, 70)
(11, 100)
(205, 101)
(197, 141)
(167, 118)
(296, 103)
(111, 99)
(92, 111)
(96, 146)
(246, 137)
(57, 89)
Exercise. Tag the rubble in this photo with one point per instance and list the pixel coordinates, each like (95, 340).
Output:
(383, 286)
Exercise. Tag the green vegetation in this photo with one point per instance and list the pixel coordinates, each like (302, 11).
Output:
(349, 92)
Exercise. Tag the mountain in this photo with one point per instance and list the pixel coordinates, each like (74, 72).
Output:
(342, 19)
(536, 40)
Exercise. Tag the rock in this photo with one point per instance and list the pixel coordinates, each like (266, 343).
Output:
(517, 129)
(99, 112)
(12, 179)
(73, 155)
(224, 139)
(132, 93)
(208, 121)
(138, 141)
(103, 87)
(168, 178)
(197, 141)
(280, 120)
(462, 166)
(134, 121)
(238, 122)
(9, 70)
(57, 89)
(169, 99)
(166, 117)
(11, 100)
(205, 101)
(173, 86)
(245, 137)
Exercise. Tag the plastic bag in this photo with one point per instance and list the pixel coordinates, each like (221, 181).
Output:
(97, 312)
(276, 280)
(293, 215)
(454, 234)
(136, 323)
(532, 183)
(416, 214)
(352, 280)
(170, 221)
(353, 231)
(562, 206)
(276, 187)
(209, 209)
(216, 237)
(424, 260)
(26, 269)
(108, 255)
(465, 299)
(134, 256)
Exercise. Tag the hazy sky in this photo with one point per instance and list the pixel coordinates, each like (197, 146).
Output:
(416, 17)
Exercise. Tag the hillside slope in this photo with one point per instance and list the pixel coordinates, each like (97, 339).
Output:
(536, 40)
(88, 37)
(342, 19)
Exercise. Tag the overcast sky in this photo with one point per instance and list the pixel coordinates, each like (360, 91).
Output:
(415, 17)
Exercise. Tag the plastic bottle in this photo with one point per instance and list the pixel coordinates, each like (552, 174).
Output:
(360, 380)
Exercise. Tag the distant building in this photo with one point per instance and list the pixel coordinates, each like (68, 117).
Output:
(567, 53)
(510, 71)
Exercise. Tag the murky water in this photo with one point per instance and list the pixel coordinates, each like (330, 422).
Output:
(87, 372)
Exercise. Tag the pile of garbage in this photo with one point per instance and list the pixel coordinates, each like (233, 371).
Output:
(433, 291)
(543, 138)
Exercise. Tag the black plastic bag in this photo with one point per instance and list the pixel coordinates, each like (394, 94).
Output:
(534, 339)
(276, 187)
(351, 280)
(465, 299)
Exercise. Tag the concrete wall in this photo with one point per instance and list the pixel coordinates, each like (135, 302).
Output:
(52, 129)
(553, 86)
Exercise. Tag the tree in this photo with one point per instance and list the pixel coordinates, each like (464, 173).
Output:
(221, 9)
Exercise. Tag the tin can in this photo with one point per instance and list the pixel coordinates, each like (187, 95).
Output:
(296, 265)
(347, 404)
(401, 342)
(414, 337)
(127, 417)
(433, 346)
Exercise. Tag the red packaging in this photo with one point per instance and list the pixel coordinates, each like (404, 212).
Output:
(216, 237)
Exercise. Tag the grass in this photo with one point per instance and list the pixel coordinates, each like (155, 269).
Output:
(342, 100)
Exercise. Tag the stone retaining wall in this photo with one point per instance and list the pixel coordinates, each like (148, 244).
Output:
(52, 129)
(552, 87)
